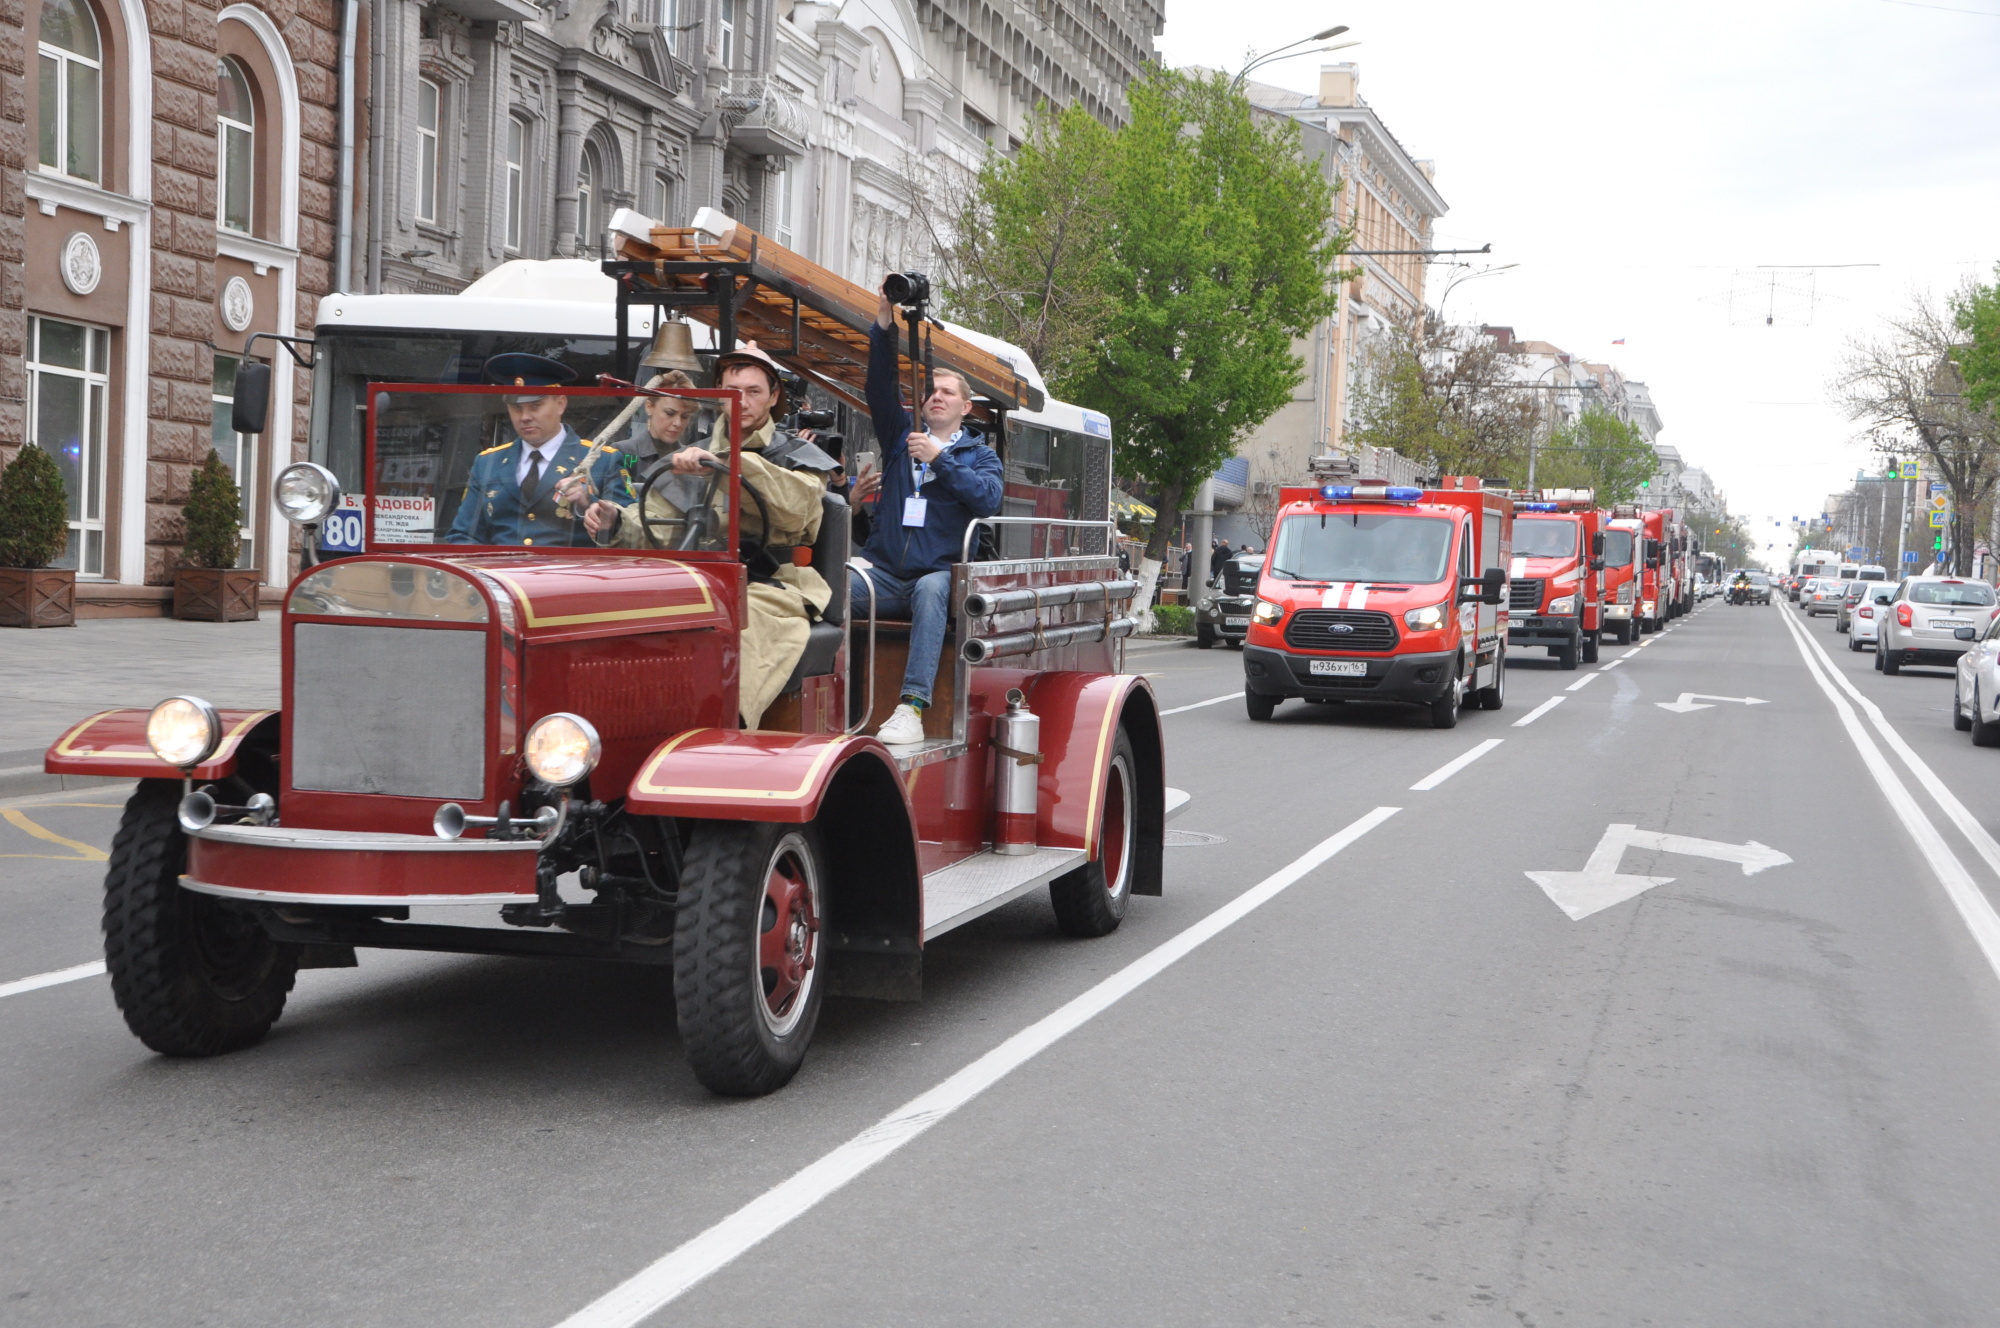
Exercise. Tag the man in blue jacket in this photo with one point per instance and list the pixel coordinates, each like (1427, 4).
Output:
(931, 486)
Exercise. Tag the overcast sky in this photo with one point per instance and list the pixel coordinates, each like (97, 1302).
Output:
(1640, 163)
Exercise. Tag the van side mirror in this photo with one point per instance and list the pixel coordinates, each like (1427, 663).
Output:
(1597, 545)
(1597, 564)
(1488, 589)
(253, 397)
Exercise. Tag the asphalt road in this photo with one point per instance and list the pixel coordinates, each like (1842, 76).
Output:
(1400, 1086)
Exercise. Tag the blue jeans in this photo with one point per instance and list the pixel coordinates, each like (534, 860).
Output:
(926, 601)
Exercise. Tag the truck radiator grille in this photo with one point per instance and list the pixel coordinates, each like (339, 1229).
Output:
(1525, 595)
(1340, 629)
(394, 710)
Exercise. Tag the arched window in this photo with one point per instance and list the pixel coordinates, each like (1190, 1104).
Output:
(71, 77)
(589, 198)
(235, 146)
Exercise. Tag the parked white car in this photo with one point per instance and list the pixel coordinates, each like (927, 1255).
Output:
(1865, 619)
(1975, 696)
(1923, 621)
(1822, 595)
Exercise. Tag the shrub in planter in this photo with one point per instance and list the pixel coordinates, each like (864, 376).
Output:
(208, 586)
(34, 529)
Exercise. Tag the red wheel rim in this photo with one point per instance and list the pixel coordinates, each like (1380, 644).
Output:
(787, 939)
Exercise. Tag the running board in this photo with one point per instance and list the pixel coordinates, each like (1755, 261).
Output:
(975, 886)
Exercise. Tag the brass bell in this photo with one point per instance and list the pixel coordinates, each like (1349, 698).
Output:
(673, 348)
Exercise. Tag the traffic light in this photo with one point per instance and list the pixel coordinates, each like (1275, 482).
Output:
(1937, 544)
(1895, 470)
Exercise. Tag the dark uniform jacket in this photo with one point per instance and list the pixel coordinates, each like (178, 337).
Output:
(492, 512)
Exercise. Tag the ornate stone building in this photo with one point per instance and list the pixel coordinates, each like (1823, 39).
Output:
(166, 191)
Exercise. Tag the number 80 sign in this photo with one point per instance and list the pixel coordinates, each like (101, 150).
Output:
(341, 531)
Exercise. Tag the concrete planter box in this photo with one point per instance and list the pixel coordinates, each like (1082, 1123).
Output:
(37, 597)
(216, 594)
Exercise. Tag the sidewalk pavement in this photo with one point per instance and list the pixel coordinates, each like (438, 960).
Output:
(52, 677)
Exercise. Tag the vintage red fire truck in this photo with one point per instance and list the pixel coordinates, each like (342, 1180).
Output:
(507, 750)
(1380, 592)
(1555, 583)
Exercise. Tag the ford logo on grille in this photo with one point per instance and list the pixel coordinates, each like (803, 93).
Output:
(1340, 627)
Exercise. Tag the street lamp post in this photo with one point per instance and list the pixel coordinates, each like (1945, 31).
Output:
(1279, 53)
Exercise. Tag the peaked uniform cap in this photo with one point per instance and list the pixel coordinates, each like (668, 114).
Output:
(521, 369)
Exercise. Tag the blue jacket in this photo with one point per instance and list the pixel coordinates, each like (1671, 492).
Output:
(967, 479)
(491, 512)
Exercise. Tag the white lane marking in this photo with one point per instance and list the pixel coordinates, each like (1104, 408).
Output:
(1539, 711)
(1614, 663)
(1213, 700)
(1691, 701)
(1578, 685)
(57, 978)
(1600, 884)
(1450, 768)
(665, 1280)
(1974, 908)
(1982, 841)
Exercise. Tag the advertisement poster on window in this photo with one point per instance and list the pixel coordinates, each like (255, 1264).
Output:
(405, 520)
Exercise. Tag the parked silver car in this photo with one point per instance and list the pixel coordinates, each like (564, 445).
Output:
(1922, 623)
(1975, 696)
(1856, 590)
(1867, 616)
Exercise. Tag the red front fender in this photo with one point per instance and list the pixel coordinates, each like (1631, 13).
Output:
(747, 775)
(113, 742)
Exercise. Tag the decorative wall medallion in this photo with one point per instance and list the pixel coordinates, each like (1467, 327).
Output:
(238, 305)
(82, 269)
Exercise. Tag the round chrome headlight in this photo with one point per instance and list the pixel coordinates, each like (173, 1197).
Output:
(561, 748)
(306, 493)
(183, 731)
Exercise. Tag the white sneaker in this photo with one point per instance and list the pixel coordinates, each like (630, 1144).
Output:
(902, 728)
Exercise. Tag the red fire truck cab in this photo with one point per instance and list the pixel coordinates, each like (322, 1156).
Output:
(1624, 564)
(1555, 582)
(1378, 592)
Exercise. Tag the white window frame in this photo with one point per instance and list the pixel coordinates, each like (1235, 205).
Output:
(244, 471)
(787, 206)
(96, 409)
(64, 61)
(589, 189)
(725, 39)
(517, 180)
(224, 125)
(429, 160)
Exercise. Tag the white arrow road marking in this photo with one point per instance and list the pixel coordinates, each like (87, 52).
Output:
(1600, 884)
(1688, 701)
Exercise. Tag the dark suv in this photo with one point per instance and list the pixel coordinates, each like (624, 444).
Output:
(1226, 616)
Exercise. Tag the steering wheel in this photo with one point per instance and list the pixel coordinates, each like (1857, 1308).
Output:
(695, 523)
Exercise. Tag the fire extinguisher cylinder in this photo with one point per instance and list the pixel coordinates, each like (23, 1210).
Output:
(1017, 760)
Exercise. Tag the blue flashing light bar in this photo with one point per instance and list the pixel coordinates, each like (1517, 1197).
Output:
(1395, 493)
(1538, 507)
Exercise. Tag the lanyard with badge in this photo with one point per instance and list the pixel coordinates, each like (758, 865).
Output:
(915, 506)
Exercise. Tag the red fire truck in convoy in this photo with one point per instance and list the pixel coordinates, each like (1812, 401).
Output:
(536, 751)
(1555, 582)
(1624, 561)
(1379, 592)
(1655, 578)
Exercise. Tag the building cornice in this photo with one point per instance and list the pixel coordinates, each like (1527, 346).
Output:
(54, 190)
(263, 255)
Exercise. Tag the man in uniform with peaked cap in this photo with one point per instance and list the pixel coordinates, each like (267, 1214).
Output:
(510, 497)
(790, 474)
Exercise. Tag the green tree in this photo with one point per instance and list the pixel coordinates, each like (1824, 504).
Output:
(34, 516)
(1447, 398)
(1219, 254)
(1597, 451)
(1020, 252)
(1976, 311)
(213, 515)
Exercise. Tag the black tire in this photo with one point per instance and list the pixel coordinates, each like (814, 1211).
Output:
(1985, 733)
(193, 975)
(1445, 710)
(1958, 719)
(1492, 698)
(1204, 637)
(1855, 644)
(1259, 705)
(1623, 633)
(747, 1005)
(1878, 656)
(1590, 647)
(1091, 900)
(1568, 656)
(1890, 664)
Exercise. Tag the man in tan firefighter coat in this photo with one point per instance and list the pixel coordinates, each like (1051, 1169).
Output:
(790, 474)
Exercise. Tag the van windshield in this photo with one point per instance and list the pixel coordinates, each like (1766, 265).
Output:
(1363, 546)
(1544, 537)
(1617, 548)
